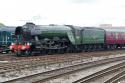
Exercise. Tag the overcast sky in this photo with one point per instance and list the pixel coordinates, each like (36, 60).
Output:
(76, 12)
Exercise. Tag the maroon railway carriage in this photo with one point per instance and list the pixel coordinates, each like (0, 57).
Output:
(115, 37)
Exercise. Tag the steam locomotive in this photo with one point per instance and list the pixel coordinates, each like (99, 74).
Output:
(49, 39)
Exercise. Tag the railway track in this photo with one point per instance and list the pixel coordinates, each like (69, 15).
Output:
(20, 66)
(48, 75)
(11, 58)
(110, 75)
(37, 61)
(34, 60)
(9, 69)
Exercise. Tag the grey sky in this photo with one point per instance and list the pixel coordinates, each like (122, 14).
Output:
(82, 1)
(77, 12)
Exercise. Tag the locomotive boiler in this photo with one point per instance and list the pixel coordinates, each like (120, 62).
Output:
(47, 39)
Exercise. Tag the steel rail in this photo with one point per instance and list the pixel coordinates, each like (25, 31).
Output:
(63, 71)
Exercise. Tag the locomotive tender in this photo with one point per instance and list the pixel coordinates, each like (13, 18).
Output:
(48, 39)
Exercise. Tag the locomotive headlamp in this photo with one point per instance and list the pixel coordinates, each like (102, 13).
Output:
(23, 48)
(28, 43)
(12, 43)
(11, 47)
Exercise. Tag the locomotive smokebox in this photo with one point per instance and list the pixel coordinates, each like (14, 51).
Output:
(19, 30)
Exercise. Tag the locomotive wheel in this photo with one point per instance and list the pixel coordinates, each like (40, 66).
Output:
(86, 48)
(44, 51)
(68, 50)
(49, 51)
(99, 48)
(27, 53)
(78, 49)
(58, 51)
(62, 51)
(18, 53)
(94, 48)
(54, 51)
(89, 48)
